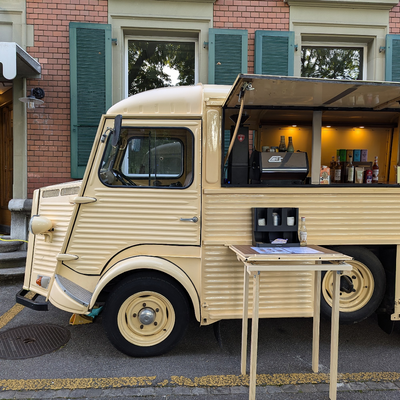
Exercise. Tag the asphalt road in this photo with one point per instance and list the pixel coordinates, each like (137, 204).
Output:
(88, 366)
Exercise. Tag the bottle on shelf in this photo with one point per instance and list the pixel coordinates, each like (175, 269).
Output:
(303, 232)
(375, 171)
(290, 147)
(350, 171)
(332, 165)
(337, 175)
(282, 144)
(398, 172)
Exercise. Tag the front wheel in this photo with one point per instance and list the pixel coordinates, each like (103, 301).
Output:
(361, 290)
(146, 316)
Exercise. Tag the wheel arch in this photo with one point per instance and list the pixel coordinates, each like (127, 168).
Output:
(148, 263)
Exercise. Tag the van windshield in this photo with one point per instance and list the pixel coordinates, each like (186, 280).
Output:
(150, 157)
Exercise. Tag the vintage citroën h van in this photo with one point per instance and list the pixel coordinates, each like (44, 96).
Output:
(174, 177)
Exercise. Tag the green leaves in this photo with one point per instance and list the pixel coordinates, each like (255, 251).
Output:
(153, 64)
(331, 63)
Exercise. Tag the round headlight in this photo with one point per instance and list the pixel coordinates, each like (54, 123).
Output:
(39, 224)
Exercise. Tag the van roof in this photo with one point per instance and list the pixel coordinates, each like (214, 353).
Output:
(176, 100)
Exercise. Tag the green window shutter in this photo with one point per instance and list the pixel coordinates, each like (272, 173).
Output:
(227, 56)
(90, 80)
(392, 58)
(274, 53)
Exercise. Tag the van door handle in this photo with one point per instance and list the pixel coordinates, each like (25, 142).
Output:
(194, 219)
(83, 200)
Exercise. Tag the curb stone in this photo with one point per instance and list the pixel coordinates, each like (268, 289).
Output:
(193, 392)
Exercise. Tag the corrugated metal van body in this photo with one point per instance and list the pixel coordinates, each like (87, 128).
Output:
(288, 294)
(334, 215)
(122, 218)
(54, 203)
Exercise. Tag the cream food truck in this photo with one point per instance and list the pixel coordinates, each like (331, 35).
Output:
(178, 174)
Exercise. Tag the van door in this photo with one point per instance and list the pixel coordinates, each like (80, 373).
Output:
(146, 189)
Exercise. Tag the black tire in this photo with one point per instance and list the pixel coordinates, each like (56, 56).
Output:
(146, 316)
(369, 280)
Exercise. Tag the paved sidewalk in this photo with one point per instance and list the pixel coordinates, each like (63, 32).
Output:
(352, 390)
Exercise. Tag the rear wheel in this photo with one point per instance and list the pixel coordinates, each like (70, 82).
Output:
(361, 290)
(146, 316)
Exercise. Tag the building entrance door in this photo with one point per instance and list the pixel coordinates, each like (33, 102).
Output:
(6, 165)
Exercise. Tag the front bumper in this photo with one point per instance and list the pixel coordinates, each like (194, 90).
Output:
(31, 303)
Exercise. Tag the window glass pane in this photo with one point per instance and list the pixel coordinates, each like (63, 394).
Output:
(153, 64)
(161, 157)
(332, 62)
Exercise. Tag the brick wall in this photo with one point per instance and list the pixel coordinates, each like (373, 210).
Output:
(49, 124)
(251, 15)
(394, 20)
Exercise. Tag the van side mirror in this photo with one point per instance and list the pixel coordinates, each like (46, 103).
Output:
(117, 130)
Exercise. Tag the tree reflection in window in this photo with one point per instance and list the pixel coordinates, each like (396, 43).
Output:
(152, 64)
(332, 62)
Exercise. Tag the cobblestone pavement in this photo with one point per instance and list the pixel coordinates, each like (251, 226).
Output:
(353, 390)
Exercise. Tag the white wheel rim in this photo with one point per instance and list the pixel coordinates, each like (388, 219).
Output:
(138, 333)
(364, 285)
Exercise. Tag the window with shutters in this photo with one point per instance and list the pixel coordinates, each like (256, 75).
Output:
(90, 78)
(155, 62)
(340, 40)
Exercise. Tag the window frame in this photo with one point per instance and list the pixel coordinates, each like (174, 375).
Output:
(185, 154)
(173, 38)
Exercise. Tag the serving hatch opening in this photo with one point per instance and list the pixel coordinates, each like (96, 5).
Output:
(287, 106)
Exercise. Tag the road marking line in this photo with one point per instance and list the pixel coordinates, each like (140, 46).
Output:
(203, 381)
(13, 311)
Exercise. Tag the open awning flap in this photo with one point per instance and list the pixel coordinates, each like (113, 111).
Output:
(16, 62)
(314, 94)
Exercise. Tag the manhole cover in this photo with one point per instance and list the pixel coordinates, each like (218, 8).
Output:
(32, 341)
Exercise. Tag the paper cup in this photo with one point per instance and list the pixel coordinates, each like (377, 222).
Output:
(290, 221)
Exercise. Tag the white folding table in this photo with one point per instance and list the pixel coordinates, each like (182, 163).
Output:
(311, 259)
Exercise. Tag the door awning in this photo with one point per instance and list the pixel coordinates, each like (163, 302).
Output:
(15, 62)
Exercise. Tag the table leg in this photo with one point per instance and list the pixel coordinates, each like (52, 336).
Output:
(316, 321)
(334, 336)
(245, 321)
(254, 336)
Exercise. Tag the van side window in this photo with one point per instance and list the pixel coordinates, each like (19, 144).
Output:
(149, 157)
